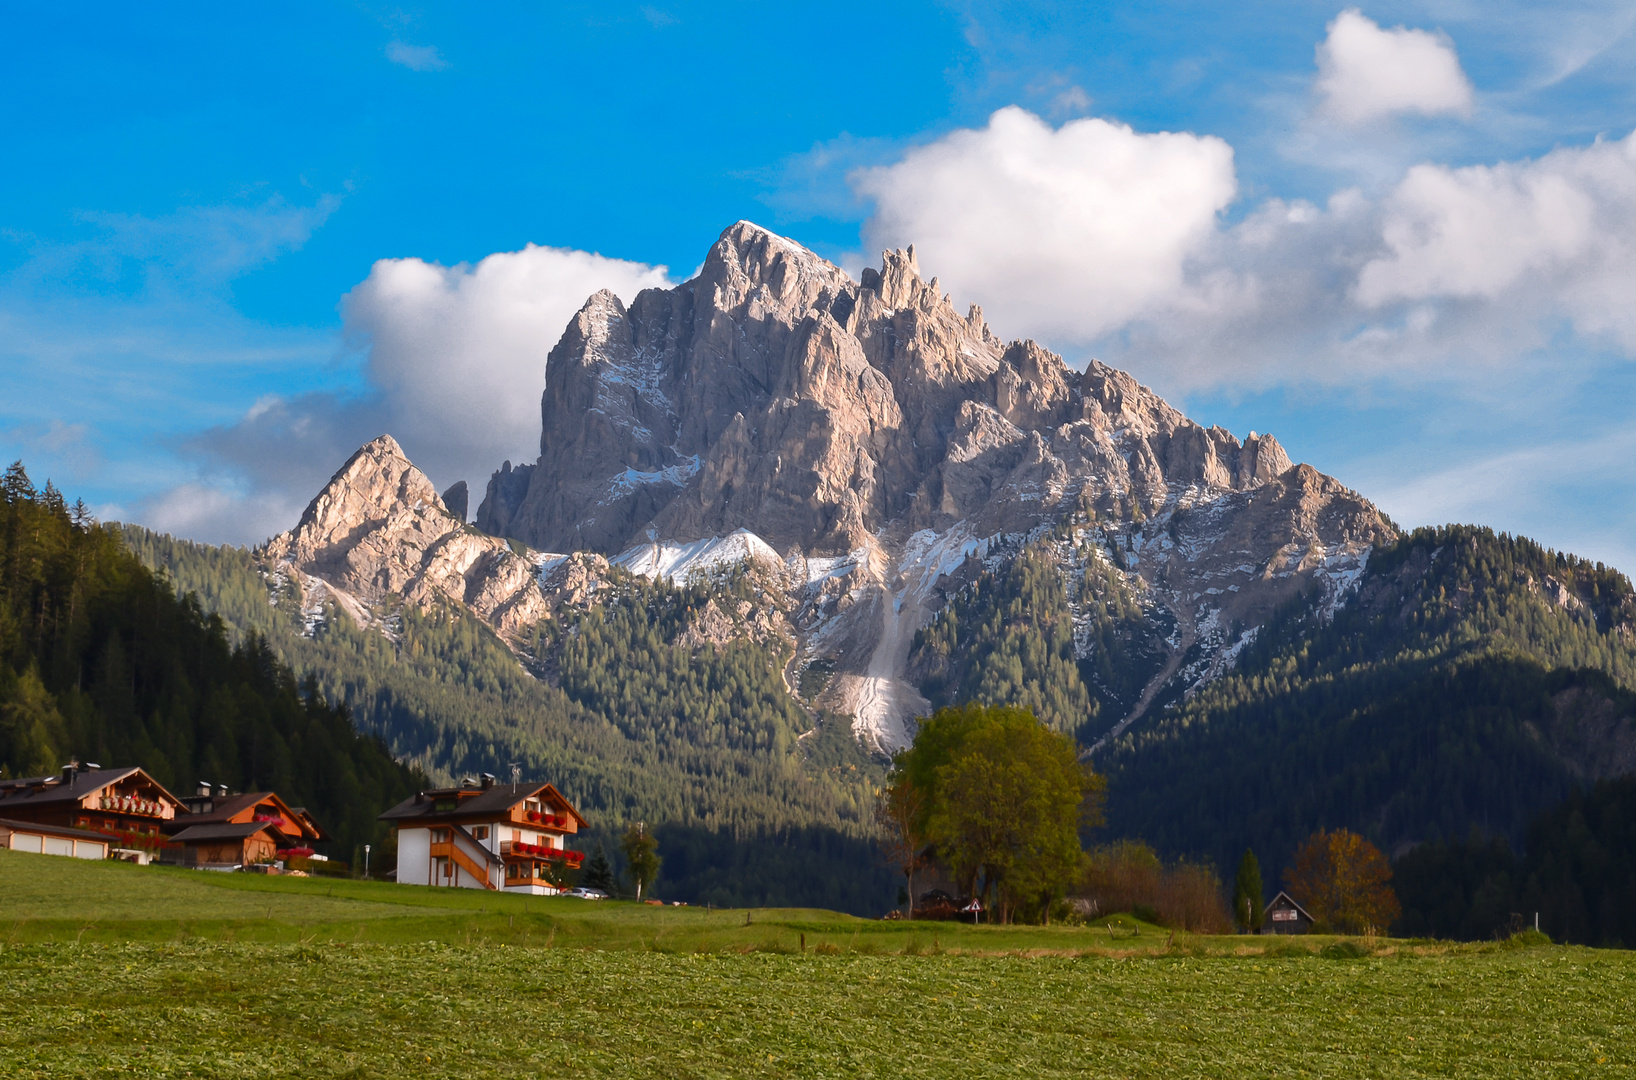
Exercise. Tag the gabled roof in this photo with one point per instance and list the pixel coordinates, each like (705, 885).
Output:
(232, 830)
(56, 830)
(50, 789)
(226, 809)
(490, 802)
(1282, 895)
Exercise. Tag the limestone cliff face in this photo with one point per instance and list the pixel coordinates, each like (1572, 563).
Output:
(772, 393)
(871, 429)
(869, 448)
(379, 531)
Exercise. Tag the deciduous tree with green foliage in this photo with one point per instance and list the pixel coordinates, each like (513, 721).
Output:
(641, 853)
(897, 808)
(1247, 898)
(1001, 799)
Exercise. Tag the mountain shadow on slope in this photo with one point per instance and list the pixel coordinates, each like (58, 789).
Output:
(1578, 875)
(1471, 681)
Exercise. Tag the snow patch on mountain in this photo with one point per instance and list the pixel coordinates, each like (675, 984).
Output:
(675, 562)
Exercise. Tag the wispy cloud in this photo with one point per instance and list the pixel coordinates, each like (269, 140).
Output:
(415, 57)
(1557, 490)
(125, 338)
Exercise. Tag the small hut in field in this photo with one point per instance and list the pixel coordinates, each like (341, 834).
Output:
(1284, 916)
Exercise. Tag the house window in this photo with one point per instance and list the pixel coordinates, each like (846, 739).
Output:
(440, 836)
(480, 832)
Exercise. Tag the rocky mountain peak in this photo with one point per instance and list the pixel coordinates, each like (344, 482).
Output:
(379, 534)
(376, 483)
(870, 447)
(833, 419)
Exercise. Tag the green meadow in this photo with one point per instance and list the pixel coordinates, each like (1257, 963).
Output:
(114, 970)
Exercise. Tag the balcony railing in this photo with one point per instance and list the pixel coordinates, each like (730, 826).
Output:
(516, 849)
(130, 804)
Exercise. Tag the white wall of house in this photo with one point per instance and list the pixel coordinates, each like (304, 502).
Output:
(415, 857)
(42, 844)
(417, 867)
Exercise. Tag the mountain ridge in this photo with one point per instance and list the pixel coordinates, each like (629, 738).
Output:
(1243, 640)
(870, 446)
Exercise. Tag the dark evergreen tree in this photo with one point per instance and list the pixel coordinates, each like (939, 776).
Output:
(101, 659)
(598, 873)
(1444, 695)
(1248, 900)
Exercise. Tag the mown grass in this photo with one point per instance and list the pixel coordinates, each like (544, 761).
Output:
(522, 986)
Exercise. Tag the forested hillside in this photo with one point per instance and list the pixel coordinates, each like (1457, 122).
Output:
(1473, 680)
(1010, 638)
(1578, 876)
(100, 659)
(628, 722)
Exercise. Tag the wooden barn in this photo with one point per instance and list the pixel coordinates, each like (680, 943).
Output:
(1284, 916)
(229, 845)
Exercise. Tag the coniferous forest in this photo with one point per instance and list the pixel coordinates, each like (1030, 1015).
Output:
(1473, 684)
(627, 723)
(101, 660)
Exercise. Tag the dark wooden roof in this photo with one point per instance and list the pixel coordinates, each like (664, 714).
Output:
(488, 802)
(201, 834)
(50, 789)
(57, 830)
(224, 808)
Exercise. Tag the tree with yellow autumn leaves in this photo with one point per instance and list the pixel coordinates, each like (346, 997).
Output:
(1341, 879)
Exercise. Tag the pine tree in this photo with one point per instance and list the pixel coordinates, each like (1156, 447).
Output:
(1247, 898)
(598, 873)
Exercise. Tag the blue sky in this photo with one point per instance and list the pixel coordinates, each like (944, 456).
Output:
(1401, 237)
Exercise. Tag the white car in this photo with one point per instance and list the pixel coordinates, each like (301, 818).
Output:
(587, 894)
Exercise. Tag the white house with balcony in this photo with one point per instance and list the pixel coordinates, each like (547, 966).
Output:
(486, 835)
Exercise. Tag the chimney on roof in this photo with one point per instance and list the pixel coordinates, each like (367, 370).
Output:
(488, 780)
(221, 791)
(89, 765)
(69, 770)
(203, 791)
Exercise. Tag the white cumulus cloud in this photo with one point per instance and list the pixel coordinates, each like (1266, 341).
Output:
(1366, 73)
(455, 360)
(1554, 235)
(1065, 232)
(459, 353)
(1451, 271)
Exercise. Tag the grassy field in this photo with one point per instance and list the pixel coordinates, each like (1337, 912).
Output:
(110, 970)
